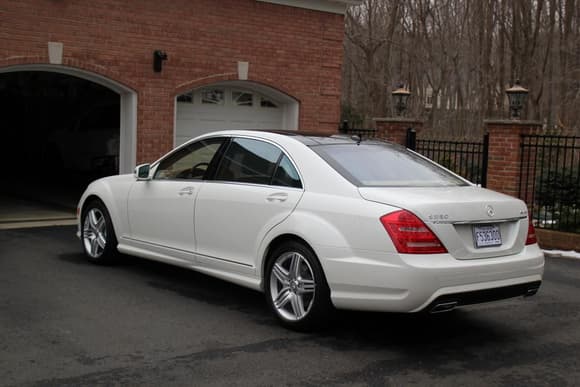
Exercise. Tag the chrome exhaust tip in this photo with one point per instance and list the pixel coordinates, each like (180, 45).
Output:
(444, 307)
(531, 291)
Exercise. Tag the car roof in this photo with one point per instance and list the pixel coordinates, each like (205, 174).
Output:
(316, 138)
(308, 138)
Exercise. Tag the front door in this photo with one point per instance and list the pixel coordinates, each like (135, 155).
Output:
(161, 210)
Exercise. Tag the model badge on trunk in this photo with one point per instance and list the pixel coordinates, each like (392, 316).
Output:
(490, 211)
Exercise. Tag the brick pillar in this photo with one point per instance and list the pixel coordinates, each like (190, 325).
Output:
(504, 162)
(395, 129)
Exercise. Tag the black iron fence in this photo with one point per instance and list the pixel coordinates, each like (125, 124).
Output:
(550, 181)
(466, 158)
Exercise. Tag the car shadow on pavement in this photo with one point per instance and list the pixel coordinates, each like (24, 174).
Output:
(386, 329)
(76, 258)
(185, 283)
(349, 330)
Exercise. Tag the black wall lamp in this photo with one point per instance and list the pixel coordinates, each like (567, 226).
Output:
(158, 58)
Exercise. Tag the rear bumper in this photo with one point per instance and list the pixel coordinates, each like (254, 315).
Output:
(450, 301)
(411, 283)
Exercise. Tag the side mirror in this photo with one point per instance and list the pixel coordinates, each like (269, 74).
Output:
(142, 172)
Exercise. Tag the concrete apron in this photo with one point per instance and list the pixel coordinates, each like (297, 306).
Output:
(22, 213)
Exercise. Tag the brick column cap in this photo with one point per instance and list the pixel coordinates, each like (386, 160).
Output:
(401, 120)
(504, 122)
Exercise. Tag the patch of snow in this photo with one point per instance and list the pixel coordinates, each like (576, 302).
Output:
(562, 254)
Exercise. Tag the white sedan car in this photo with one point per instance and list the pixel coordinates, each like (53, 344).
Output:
(317, 222)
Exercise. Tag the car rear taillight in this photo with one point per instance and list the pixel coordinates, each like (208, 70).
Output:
(410, 235)
(531, 238)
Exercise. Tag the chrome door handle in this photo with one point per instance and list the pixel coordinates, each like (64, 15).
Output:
(186, 191)
(277, 197)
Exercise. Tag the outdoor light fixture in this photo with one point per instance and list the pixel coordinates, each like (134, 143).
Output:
(158, 58)
(400, 97)
(517, 97)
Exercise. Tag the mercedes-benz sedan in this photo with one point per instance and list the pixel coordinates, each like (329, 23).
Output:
(317, 223)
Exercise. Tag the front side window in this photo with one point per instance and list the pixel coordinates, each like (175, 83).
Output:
(190, 162)
(384, 165)
(249, 161)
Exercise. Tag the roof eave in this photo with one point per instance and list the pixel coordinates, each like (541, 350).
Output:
(331, 6)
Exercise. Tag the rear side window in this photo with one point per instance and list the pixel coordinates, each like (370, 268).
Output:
(249, 161)
(384, 165)
(257, 162)
(286, 175)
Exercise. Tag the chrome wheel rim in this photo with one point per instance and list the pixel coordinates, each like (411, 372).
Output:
(95, 233)
(292, 286)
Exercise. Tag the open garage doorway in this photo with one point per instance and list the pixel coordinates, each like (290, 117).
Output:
(59, 132)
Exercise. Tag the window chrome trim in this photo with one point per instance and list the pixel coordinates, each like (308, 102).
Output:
(254, 184)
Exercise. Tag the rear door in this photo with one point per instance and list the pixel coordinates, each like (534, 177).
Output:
(256, 187)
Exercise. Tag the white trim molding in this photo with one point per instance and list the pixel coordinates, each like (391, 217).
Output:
(55, 52)
(332, 6)
(243, 68)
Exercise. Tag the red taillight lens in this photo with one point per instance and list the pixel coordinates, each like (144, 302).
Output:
(410, 235)
(531, 238)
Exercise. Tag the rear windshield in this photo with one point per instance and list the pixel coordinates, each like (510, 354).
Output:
(384, 165)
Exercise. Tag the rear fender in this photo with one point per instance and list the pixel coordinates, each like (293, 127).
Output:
(309, 228)
(335, 227)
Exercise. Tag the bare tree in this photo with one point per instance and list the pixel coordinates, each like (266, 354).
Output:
(458, 56)
(370, 27)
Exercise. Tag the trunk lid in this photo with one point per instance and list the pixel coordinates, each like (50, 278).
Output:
(457, 214)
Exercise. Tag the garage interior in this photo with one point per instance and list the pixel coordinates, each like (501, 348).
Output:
(59, 133)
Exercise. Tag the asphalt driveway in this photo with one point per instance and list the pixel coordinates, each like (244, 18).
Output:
(64, 321)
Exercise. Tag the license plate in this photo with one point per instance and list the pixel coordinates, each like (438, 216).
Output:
(486, 235)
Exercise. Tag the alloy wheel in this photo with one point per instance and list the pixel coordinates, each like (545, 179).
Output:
(292, 286)
(95, 233)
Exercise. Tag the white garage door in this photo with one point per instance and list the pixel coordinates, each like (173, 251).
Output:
(231, 106)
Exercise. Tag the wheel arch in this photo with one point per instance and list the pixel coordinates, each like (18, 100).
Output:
(108, 206)
(321, 307)
(277, 241)
(306, 227)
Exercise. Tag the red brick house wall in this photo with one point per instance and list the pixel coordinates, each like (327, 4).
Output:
(295, 50)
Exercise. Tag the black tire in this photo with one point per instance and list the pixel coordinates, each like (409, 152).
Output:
(307, 291)
(97, 234)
